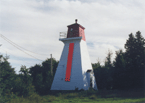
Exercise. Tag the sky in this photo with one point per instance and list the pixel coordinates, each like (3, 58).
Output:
(35, 25)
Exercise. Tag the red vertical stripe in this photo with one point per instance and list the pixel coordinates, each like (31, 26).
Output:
(69, 62)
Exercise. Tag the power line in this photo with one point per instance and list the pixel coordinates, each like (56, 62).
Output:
(18, 47)
(18, 58)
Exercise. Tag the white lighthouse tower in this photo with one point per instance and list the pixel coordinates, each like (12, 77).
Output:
(74, 69)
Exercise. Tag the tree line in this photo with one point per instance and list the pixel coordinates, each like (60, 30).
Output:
(128, 68)
(127, 71)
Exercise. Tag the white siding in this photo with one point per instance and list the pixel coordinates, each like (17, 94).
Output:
(80, 64)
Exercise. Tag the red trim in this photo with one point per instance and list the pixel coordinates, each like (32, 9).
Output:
(69, 62)
(81, 33)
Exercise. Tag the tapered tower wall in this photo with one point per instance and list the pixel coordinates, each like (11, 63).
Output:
(74, 69)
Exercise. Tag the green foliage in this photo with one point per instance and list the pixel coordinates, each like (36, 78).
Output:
(119, 71)
(108, 63)
(1, 96)
(33, 98)
(23, 83)
(103, 74)
(42, 77)
(7, 74)
(126, 71)
(128, 68)
(135, 61)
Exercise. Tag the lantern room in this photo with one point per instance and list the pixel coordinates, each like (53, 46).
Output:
(76, 30)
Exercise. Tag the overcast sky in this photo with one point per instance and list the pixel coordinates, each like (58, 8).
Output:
(35, 26)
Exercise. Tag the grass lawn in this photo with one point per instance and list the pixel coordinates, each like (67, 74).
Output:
(101, 96)
(92, 99)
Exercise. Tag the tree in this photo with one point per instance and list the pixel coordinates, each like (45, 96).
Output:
(109, 67)
(23, 83)
(7, 75)
(42, 77)
(135, 60)
(140, 57)
(108, 63)
(103, 73)
(119, 72)
(47, 76)
(36, 74)
(96, 65)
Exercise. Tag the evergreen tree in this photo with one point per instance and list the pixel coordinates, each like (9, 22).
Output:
(108, 63)
(119, 71)
(97, 73)
(103, 73)
(140, 60)
(135, 60)
(109, 71)
(96, 65)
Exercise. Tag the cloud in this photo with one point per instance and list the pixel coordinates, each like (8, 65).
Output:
(35, 25)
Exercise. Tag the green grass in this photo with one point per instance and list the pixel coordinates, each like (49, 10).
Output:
(102, 96)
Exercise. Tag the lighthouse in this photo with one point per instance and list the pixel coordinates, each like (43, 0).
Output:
(74, 69)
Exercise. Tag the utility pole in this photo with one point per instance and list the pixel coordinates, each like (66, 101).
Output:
(0, 44)
(51, 65)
